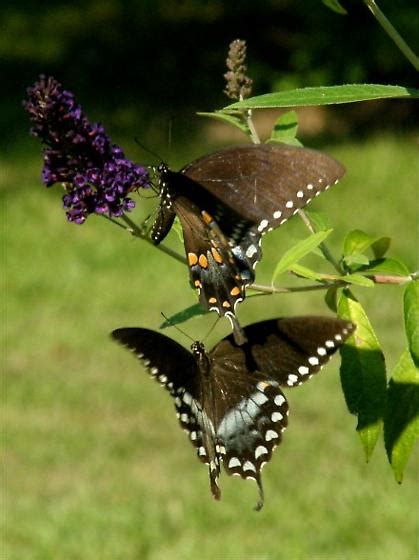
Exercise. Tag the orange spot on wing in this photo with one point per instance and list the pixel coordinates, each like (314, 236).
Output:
(192, 259)
(197, 284)
(235, 291)
(217, 257)
(212, 300)
(203, 261)
(226, 304)
(207, 217)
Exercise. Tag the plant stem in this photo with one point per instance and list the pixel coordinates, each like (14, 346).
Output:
(323, 247)
(140, 233)
(338, 283)
(310, 288)
(393, 33)
(389, 279)
(253, 133)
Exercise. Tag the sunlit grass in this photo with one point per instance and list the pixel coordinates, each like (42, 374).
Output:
(94, 463)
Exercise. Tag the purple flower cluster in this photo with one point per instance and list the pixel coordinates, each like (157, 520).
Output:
(95, 173)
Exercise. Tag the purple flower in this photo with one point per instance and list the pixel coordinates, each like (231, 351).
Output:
(95, 173)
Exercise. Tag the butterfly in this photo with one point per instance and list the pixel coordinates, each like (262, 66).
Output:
(229, 400)
(226, 201)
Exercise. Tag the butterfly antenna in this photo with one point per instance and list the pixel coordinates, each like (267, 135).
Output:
(169, 135)
(170, 322)
(211, 329)
(144, 147)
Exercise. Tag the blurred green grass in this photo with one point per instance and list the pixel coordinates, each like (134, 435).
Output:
(93, 461)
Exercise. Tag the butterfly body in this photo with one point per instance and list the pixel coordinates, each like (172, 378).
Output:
(229, 400)
(226, 202)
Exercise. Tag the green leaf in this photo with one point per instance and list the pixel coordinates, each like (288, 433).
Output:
(389, 266)
(319, 220)
(359, 280)
(184, 315)
(411, 319)
(285, 140)
(357, 241)
(355, 260)
(285, 129)
(177, 227)
(235, 120)
(298, 251)
(331, 298)
(401, 422)
(286, 125)
(305, 272)
(335, 6)
(331, 95)
(363, 373)
(380, 246)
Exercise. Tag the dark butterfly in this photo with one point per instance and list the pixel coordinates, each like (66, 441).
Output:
(226, 201)
(229, 400)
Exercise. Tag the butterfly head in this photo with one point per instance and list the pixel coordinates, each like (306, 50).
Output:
(201, 357)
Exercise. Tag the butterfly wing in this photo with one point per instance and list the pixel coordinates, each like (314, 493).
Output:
(226, 201)
(174, 368)
(291, 350)
(230, 401)
(182, 374)
(251, 412)
(249, 190)
(264, 183)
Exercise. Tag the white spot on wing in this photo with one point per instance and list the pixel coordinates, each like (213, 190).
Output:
(303, 370)
(248, 466)
(277, 214)
(234, 462)
(187, 398)
(276, 416)
(250, 251)
(263, 225)
(260, 450)
(279, 400)
(313, 361)
(270, 434)
(292, 379)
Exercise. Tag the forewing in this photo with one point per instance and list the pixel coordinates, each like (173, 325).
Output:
(174, 368)
(265, 183)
